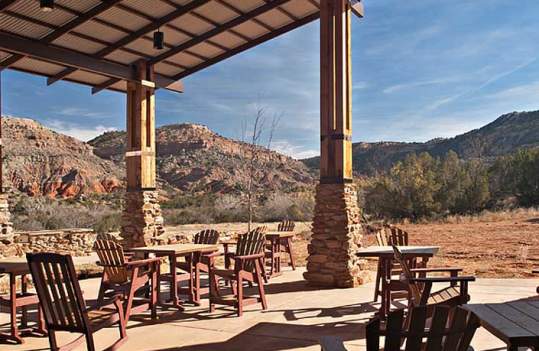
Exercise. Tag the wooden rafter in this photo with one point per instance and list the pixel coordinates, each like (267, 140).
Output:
(135, 35)
(33, 48)
(218, 30)
(205, 36)
(66, 28)
(249, 45)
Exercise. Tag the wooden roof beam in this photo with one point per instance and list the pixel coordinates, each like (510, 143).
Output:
(357, 8)
(135, 35)
(249, 45)
(46, 52)
(218, 30)
(203, 37)
(57, 33)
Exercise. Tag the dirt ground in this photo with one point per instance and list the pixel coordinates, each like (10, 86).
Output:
(495, 245)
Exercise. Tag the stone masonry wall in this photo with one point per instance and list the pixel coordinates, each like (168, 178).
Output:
(6, 227)
(141, 218)
(337, 235)
(77, 242)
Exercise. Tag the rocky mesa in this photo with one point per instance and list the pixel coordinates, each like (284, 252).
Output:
(39, 161)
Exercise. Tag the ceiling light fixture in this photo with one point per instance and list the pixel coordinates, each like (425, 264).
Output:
(158, 40)
(46, 5)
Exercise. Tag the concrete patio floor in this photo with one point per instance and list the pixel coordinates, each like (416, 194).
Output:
(297, 316)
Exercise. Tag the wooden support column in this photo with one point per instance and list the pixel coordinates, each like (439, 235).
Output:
(336, 226)
(142, 218)
(6, 227)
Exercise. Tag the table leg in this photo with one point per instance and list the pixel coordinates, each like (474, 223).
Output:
(24, 309)
(227, 259)
(277, 256)
(386, 292)
(174, 283)
(13, 308)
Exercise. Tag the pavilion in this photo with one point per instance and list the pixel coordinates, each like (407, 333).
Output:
(138, 46)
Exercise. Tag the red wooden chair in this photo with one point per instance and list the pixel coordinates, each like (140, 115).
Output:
(420, 287)
(127, 277)
(247, 268)
(64, 308)
(447, 330)
(389, 235)
(286, 243)
(192, 270)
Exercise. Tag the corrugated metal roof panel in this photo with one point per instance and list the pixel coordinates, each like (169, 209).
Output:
(32, 9)
(20, 27)
(38, 66)
(275, 18)
(192, 24)
(79, 5)
(126, 19)
(100, 31)
(154, 8)
(78, 44)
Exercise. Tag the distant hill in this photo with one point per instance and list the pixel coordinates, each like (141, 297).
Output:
(39, 161)
(191, 158)
(504, 135)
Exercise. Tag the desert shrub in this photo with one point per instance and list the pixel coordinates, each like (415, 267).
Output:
(425, 187)
(44, 213)
(108, 223)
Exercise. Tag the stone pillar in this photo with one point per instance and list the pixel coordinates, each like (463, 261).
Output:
(141, 219)
(336, 225)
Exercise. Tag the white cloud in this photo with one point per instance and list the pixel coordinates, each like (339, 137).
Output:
(77, 132)
(295, 151)
(81, 112)
(404, 86)
(359, 85)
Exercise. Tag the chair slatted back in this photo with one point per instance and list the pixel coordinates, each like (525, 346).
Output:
(406, 275)
(381, 237)
(111, 257)
(447, 331)
(206, 236)
(59, 292)
(396, 236)
(251, 243)
(286, 226)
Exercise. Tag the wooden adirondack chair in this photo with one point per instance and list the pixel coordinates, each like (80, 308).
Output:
(193, 270)
(247, 268)
(64, 308)
(286, 243)
(385, 236)
(445, 331)
(420, 287)
(126, 277)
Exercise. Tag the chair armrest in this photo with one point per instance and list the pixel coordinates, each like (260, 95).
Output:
(145, 262)
(249, 257)
(214, 254)
(110, 300)
(331, 343)
(443, 279)
(436, 269)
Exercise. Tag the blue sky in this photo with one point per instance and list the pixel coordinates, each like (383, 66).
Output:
(421, 69)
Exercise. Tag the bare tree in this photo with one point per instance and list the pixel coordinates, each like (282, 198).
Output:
(255, 165)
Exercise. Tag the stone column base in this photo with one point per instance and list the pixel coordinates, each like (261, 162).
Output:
(6, 227)
(337, 235)
(141, 218)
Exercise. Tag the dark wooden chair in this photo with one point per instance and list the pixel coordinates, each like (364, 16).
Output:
(127, 277)
(286, 243)
(389, 235)
(447, 330)
(192, 267)
(64, 308)
(420, 286)
(247, 269)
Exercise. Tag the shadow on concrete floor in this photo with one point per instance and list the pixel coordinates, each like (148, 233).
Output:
(278, 336)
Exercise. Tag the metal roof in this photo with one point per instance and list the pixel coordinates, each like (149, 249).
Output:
(96, 42)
